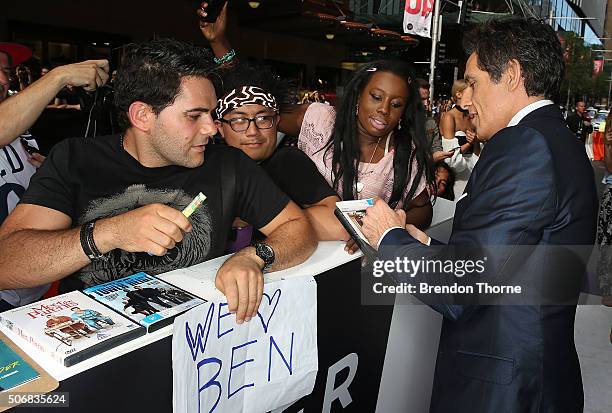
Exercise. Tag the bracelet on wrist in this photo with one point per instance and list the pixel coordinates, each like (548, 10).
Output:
(226, 58)
(88, 244)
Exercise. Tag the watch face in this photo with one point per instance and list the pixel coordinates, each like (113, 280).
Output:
(265, 252)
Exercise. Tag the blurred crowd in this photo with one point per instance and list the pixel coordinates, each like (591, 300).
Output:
(383, 138)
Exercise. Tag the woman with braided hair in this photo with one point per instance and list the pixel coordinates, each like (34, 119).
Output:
(374, 146)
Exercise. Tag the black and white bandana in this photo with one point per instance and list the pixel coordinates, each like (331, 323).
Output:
(245, 95)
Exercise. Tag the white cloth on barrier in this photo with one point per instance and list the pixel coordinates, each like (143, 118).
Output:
(269, 362)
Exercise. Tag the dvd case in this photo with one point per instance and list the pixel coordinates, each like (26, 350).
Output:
(71, 327)
(149, 301)
(14, 370)
(350, 215)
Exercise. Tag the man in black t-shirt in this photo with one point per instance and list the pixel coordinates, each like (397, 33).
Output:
(248, 114)
(109, 207)
(578, 122)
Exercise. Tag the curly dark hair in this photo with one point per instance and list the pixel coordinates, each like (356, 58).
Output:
(344, 143)
(245, 74)
(151, 72)
(531, 42)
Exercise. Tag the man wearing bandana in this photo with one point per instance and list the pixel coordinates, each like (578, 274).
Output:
(104, 208)
(247, 116)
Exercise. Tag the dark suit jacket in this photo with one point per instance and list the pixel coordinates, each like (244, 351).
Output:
(532, 185)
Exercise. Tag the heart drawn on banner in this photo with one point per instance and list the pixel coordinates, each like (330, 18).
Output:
(268, 308)
(196, 343)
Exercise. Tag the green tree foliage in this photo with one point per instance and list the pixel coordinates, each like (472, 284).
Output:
(579, 70)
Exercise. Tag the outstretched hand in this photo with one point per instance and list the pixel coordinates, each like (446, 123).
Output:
(214, 31)
(441, 155)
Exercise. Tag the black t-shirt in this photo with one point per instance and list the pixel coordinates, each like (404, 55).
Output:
(89, 179)
(297, 176)
(575, 123)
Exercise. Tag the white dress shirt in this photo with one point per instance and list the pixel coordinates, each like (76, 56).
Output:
(527, 110)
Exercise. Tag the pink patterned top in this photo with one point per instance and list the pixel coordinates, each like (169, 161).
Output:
(377, 178)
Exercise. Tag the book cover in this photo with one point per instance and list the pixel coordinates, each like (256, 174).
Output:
(350, 215)
(71, 327)
(149, 301)
(14, 370)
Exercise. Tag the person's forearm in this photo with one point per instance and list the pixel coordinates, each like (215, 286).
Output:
(220, 47)
(30, 258)
(292, 118)
(466, 147)
(420, 216)
(457, 162)
(20, 112)
(293, 242)
(447, 127)
(477, 148)
(325, 224)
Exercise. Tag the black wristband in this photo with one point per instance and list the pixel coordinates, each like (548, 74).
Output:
(87, 242)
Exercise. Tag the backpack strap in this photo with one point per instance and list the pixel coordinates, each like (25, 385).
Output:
(228, 193)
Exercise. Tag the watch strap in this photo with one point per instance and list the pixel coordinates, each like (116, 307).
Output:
(266, 253)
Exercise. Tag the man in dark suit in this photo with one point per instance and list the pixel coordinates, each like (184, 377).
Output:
(526, 214)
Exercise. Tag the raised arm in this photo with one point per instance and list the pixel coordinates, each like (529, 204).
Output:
(447, 126)
(21, 111)
(215, 32)
(291, 120)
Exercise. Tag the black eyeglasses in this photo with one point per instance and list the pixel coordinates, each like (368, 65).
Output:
(242, 124)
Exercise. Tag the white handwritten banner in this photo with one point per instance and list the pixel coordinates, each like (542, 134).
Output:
(271, 361)
(417, 17)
